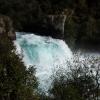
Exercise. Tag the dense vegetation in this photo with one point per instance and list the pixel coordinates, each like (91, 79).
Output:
(82, 24)
(16, 81)
(80, 83)
(19, 83)
(81, 27)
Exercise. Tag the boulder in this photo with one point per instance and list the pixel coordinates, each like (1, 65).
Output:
(6, 27)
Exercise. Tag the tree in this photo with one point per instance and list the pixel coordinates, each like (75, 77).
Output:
(80, 83)
(16, 81)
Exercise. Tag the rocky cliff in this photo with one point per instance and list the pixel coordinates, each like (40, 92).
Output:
(6, 27)
(49, 25)
(55, 25)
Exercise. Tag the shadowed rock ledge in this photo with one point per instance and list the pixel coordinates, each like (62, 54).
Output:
(50, 25)
(56, 23)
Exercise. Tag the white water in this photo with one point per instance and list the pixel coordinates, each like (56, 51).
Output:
(46, 53)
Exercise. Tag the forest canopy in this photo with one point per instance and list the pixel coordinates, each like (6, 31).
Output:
(83, 25)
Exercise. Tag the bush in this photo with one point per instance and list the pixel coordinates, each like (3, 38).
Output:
(81, 82)
(16, 81)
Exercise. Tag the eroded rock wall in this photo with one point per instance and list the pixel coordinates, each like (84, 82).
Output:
(6, 27)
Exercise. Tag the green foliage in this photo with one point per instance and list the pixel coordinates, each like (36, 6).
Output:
(16, 82)
(65, 91)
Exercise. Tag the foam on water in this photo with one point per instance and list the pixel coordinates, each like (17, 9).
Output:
(46, 53)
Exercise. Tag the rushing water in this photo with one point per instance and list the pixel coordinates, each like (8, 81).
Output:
(46, 53)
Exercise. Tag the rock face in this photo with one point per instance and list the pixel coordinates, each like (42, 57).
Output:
(57, 22)
(6, 27)
(50, 25)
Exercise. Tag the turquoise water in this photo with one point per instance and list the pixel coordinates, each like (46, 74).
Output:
(46, 53)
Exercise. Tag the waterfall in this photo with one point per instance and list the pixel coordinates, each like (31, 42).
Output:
(46, 53)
